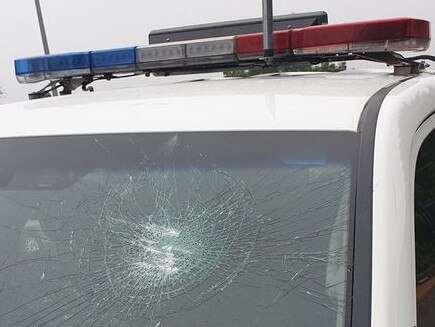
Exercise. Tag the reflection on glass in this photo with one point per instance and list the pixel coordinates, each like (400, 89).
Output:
(425, 232)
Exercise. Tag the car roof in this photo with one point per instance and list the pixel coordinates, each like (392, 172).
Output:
(288, 101)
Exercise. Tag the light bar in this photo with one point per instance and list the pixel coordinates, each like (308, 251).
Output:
(399, 34)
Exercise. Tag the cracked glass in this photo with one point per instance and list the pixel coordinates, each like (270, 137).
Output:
(176, 229)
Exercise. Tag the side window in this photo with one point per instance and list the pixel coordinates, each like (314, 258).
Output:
(425, 232)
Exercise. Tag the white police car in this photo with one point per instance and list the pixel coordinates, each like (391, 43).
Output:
(297, 199)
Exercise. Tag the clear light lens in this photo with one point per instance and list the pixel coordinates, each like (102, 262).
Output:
(31, 78)
(67, 73)
(335, 48)
(160, 53)
(381, 46)
(217, 47)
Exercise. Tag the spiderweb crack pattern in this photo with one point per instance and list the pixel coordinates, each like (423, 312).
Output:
(155, 251)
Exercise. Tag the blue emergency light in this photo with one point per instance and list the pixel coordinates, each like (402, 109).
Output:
(36, 69)
(31, 70)
(114, 60)
(66, 62)
(31, 65)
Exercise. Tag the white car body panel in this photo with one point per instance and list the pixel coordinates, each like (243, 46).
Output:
(393, 288)
(290, 102)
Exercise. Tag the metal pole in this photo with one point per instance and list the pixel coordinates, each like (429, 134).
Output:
(268, 30)
(43, 33)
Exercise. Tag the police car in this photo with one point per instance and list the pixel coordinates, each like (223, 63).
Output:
(293, 199)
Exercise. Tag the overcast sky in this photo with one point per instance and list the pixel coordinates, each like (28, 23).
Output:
(78, 25)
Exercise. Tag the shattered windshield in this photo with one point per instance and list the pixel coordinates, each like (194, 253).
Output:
(176, 229)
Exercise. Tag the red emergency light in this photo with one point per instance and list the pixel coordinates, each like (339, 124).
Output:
(397, 34)
(252, 44)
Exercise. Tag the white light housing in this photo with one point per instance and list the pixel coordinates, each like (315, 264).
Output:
(67, 73)
(31, 78)
(212, 47)
(211, 51)
(167, 55)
